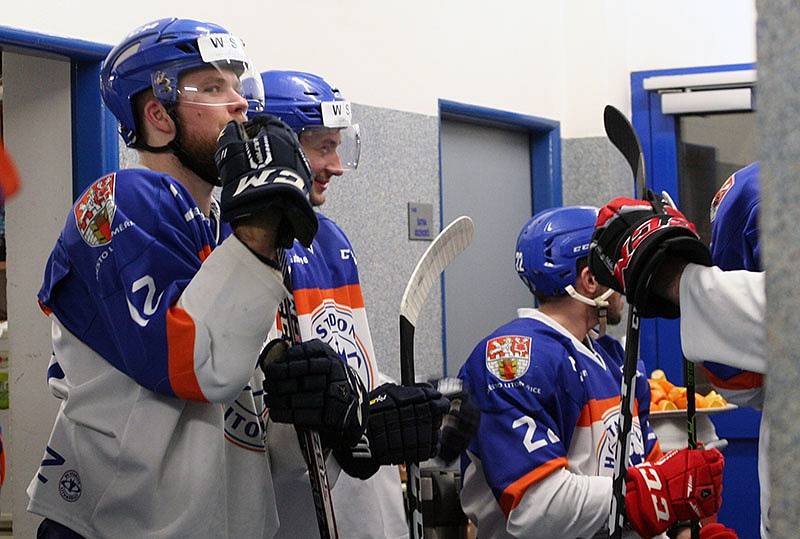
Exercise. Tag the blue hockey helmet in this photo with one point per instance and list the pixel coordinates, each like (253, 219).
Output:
(549, 246)
(155, 55)
(307, 102)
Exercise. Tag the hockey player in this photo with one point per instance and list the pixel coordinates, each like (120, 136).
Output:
(159, 309)
(542, 462)
(735, 245)
(330, 306)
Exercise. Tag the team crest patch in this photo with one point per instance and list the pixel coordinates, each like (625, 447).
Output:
(95, 211)
(69, 486)
(508, 357)
(717, 200)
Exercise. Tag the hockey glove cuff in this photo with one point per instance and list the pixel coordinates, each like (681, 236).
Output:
(684, 484)
(631, 240)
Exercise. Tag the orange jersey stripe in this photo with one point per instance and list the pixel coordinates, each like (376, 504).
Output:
(45, 309)
(656, 453)
(512, 495)
(595, 409)
(203, 254)
(745, 380)
(180, 352)
(307, 299)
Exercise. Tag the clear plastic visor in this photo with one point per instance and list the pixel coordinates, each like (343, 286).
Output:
(222, 83)
(338, 144)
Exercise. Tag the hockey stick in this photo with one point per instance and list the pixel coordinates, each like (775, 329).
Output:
(622, 135)
(444, 249)
(691, 410)
(309, 440)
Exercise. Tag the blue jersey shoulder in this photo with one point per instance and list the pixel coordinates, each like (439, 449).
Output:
(330, 261)
(734, 222)
(130, 245)
(524, 364)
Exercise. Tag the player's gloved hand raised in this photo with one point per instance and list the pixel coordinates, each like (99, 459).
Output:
(265, 175)
(684, 484)
(404, 423)
(461, 422)
(632, 239)
(310, 386)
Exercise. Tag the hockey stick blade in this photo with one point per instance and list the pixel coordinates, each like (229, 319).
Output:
(622, 135)
(445, 247)
(442, 251)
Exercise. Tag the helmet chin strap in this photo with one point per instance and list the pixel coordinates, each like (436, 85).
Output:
(600, 303)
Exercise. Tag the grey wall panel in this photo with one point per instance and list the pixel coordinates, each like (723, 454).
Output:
(593, 172)
(399, 164)
(777, 117)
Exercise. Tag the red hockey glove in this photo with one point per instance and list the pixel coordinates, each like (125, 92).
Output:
(717, 531)
(631, 240)
(684, 484)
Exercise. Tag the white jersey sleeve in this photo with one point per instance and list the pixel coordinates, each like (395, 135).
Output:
(576, 506)
(221, 340)
(737, 338)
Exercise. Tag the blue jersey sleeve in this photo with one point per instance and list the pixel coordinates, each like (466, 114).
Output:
(131, 244)
(530, 398)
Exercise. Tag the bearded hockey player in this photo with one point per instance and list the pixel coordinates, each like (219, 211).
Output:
(159, 308)
(368, 497)
(549, 394)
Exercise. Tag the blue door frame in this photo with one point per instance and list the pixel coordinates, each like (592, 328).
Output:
(95, 149)
(660, 338)
(545, 148)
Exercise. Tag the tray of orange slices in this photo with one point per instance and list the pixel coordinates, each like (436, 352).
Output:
(667, 399)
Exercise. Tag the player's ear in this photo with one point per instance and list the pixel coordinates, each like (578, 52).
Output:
(157, 124)
(587, 282)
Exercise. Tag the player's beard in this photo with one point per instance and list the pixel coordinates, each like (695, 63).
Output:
(198, 155)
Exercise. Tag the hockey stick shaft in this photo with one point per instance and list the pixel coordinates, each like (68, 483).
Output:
(689, 382)
(448, 244)
(622, 135)
(691, 422)
(310, 443)
(407, 378)
(625, 426)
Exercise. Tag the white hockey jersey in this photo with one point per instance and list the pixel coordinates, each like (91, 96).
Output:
(330, 307)
(542, 461)
(156, 331)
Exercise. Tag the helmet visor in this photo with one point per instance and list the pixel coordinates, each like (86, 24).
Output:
(345, 142)
(226, 78)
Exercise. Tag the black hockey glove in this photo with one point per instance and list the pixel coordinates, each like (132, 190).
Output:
(310, 386)
(263, 170)
(403, 426)
(461, 422)
(631, 240)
